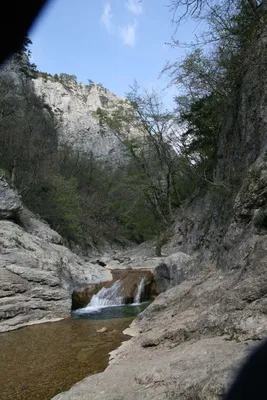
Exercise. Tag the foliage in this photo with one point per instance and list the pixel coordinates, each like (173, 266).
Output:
(23, 59)
(44, 75)
(158, 177)
(65, 213)
(201, 122)
(27, 135)
(202, 127)
(202, 9)
(209, 76)
(67, 78)
(216, 59)
(169, 154)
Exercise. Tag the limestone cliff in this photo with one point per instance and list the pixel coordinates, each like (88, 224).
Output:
(73, 105)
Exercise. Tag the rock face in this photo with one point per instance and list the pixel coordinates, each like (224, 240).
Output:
(173, 270)
(130, 282)
(10, 203)
(37, 273)
(140, 257)
(39, 228)
(37, 278)
(73, 104)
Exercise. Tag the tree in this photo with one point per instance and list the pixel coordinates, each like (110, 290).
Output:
(27, 135)
(202, 8)
(210, 75)
(153, 153)
(67, 78)
(65, 212)
(200, 135)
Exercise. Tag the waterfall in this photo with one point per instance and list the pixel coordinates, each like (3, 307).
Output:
(106, 297)
(139, 291)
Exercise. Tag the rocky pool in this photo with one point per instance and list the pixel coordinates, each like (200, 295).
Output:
(40, 361)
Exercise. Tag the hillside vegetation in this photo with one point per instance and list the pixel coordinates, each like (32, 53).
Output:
(175, 157)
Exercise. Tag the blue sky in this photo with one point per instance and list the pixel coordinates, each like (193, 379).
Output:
(111, 42)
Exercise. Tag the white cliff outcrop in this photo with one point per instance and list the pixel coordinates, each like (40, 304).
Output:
(74, 104)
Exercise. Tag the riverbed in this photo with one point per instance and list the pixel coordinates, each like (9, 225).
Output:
(40, 361)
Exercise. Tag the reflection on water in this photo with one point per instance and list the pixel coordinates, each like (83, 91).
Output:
(39, 361)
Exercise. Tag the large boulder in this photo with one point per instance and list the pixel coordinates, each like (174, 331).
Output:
(173, 270)
(37, 274)
(37, 278)
(38, 227)
(141, 257)
(10, 202)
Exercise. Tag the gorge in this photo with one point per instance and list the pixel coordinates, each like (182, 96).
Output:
(98, 209)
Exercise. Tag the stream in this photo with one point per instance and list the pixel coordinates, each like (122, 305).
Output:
(40, 361)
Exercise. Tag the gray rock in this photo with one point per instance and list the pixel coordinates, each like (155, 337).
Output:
(147, 263)
(189, 341)
(135, 257)
(37, 278)
(173, 270)
(38, 227)
(193, 371)
(10, 202)
(73, 105)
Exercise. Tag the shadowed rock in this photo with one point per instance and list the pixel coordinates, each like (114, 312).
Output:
(10, 202)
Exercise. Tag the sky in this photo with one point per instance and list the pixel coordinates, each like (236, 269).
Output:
(112, 42)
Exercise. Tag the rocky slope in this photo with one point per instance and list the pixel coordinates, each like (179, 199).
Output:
(37, 273)
(73, 105)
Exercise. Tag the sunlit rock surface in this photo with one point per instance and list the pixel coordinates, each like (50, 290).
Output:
(73, 106)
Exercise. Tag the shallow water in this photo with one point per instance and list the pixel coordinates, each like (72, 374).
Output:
(93, 313)
(39, 361)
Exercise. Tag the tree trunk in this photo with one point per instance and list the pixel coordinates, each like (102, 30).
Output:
(13, 174)
(169, 200)
(159, 212)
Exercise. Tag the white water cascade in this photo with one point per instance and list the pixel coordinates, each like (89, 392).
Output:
(106, 297)
(111, 297)
(139, 291)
